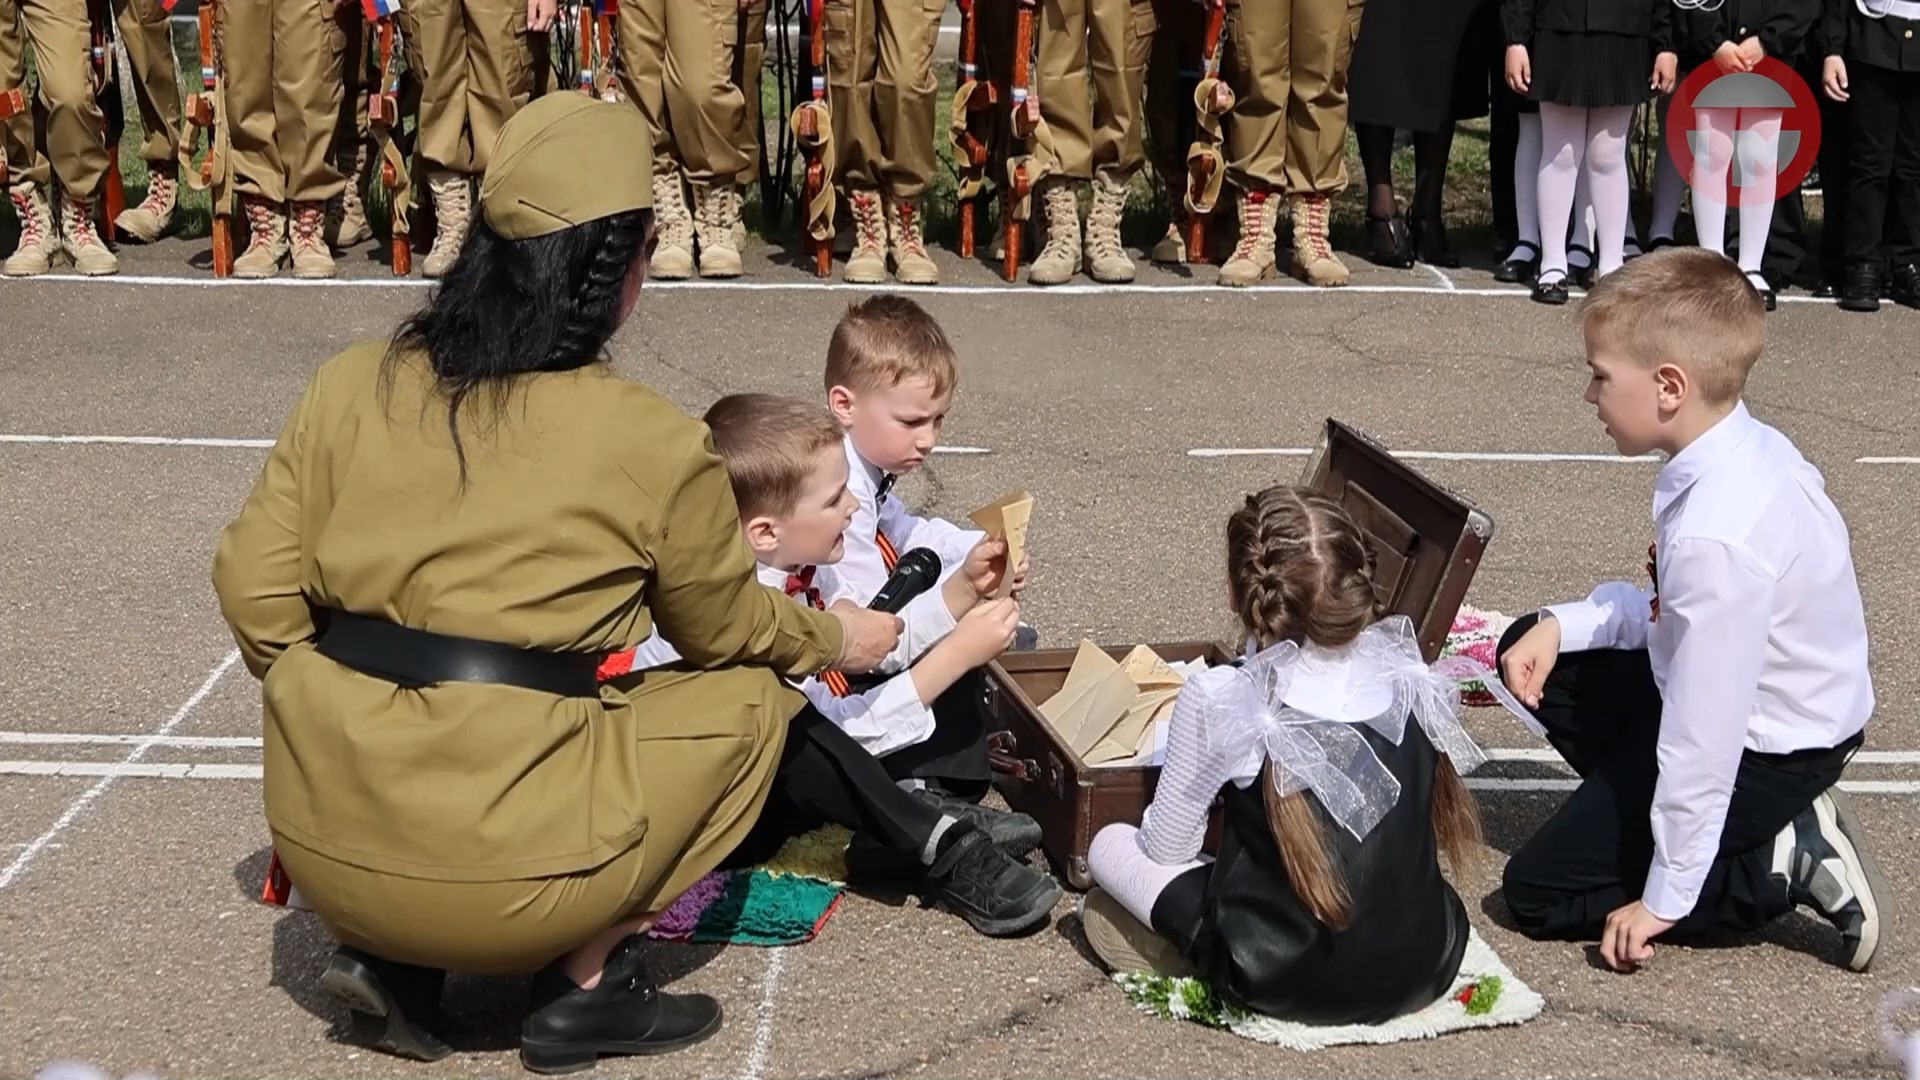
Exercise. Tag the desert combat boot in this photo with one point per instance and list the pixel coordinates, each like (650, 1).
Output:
(347, 223)
(1313, 258)
(266, 238)
(1060, 257)
(81, 239)
(716, 216)
(867, 264)
(672, 228)
(39, 241)
(1252, 259)
(306, 240)
(452, 211)
(1107, 260)
(147, 221)
(911, 264)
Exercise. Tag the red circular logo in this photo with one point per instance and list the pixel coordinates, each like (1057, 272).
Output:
(1735, 120)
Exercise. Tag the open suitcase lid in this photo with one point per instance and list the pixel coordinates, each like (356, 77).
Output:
(1427, 540)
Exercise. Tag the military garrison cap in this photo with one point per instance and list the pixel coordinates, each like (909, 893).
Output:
(565, 159)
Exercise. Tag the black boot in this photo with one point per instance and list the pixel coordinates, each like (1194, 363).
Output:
(997, 894)
(624, 1013)
(1906, 286)
(391, 1007)
(1861, 291)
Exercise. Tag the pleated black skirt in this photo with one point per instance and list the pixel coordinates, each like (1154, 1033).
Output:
(1590, 70)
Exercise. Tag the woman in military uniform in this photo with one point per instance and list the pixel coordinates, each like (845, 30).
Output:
(451, 531)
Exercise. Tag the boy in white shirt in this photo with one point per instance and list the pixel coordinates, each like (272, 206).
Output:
(1711, 714)
(890, 379)
(789, 479)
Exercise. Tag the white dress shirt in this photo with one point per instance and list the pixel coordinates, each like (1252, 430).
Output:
(1759, 642)
(862, 568)
(884, 718)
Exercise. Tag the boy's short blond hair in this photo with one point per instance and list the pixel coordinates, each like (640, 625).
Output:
(887, 338)
(1685, 306)
(769, 444)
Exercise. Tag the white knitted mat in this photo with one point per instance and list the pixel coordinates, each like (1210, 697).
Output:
(1511, 1002)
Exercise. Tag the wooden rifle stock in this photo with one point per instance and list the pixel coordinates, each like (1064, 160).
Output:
(971, 153)
(808, 129)
(206, 111)
(12, 103)
(1200, 171)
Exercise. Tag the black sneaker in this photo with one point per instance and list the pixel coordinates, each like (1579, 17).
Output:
(1826, 868)
(624, 1013)
(1014, 833)
(391, 1007)
(997, 894)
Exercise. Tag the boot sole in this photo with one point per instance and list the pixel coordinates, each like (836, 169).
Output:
(373, 1017)
(552, 1058)
(1860, 865)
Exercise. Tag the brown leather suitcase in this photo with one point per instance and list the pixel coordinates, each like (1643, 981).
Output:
(1427, 543)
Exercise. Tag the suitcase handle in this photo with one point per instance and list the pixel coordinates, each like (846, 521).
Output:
(1002, 758)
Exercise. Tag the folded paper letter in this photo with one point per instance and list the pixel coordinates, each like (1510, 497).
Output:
(1006, 519)
(1106, 710)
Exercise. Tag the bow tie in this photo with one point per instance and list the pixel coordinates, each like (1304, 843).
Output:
(886, 485)
(800, 582)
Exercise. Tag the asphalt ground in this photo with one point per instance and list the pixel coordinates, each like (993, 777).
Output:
(132, 412)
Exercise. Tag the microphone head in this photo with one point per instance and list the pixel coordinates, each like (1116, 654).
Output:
(918, 562)
(916, 571)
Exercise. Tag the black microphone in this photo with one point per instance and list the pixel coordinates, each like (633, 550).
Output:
(917, 571)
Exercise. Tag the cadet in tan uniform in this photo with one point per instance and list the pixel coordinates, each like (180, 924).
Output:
(476, 70)
(1096, 124)
(881, 90)
(446, 783)
(284, 74)
(75, 139)
(677, 63)
(146, 31)
(1286, 61)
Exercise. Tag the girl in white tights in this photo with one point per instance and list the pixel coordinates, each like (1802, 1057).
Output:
(1588, 63)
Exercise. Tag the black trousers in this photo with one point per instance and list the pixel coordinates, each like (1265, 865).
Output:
(1601, 710)
(1883, 195)
(825, 777)
(953, 759)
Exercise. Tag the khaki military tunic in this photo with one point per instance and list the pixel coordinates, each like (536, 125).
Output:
(482, 827)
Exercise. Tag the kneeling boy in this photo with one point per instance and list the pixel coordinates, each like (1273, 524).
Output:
(789, 479)
(1710, 715)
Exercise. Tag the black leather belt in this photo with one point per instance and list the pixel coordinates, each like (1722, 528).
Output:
(416, 658)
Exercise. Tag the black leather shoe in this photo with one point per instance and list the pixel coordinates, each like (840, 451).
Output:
(1519, 267)
(1906, 286)
(391, 1007)
(1765, 288)
(1550, 288)
(1430, 246)
(1580, 275)
(1389, 242)
(1861, 290)
(624, 1013)
(997, 894)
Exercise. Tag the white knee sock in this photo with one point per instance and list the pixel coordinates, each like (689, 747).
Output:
(1607, 173)
(1563, 142)
(1759, 143)
(1712, 153)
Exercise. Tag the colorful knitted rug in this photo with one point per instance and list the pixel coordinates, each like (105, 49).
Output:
(1476, 634)
(1484, 994)
(784, 901)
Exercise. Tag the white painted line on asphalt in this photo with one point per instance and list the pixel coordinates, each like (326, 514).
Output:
(25, 858)
(821, 285)
(1446, 283)
(1886, 461)
(756, 1061)
(255, 444)
(83, 738)
(1424, 455)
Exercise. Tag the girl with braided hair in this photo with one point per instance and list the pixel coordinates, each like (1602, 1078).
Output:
(452, 533)
(1337, 752)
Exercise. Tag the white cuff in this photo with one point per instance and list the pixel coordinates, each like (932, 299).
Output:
(1667, 897)
(1580, 622)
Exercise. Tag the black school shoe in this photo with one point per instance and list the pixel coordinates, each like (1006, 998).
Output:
(1011, 832)
(1518, 268)
(1861, 289)
(1550, 288)
(997, 894)
(391, 1007)
(625, 1013)
(1827, 869)
(1906, 286)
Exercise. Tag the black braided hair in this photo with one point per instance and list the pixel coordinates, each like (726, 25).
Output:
(508, 308)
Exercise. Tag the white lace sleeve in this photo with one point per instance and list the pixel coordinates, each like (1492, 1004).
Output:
(1205, 740)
